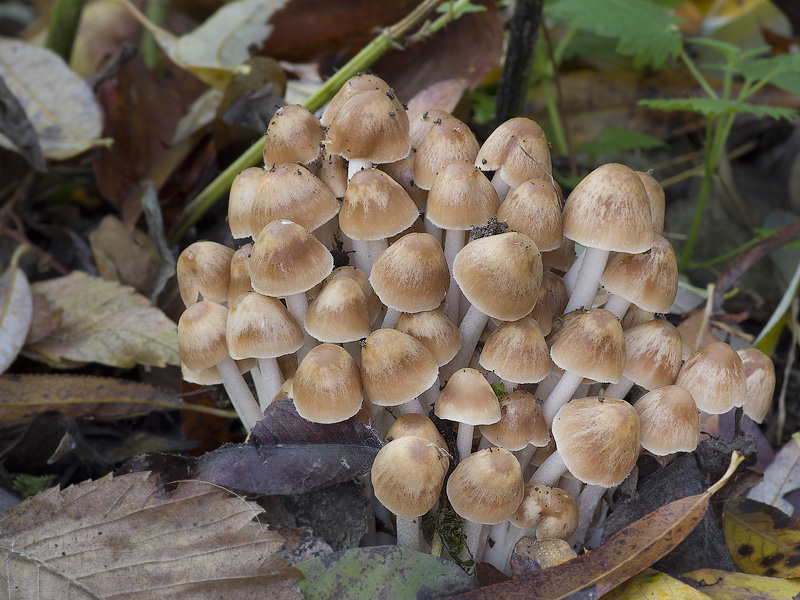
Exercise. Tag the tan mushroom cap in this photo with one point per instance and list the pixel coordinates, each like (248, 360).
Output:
(517, 150)
(552, 301)
(715, 377)
(261, 327)
(290, 191)
(408, 474)
(241, 199)
(760, 373)
(487, 486)
(516, 351)
(500, 275)
(562, 258)
(402, 171)
(339, 313)
(417, 425)
(668, 420)
(355, 85)
(201, 335)
(653, 354)
(447, 141)
(598, 438)
(373, 302)
(411, 275)
(395, 368)
(435, 330)
(461, 197)
(211, 375)
(287, 260)
(332, 171)
(655, 195)
(591, 345)
(552, 509)
(240, 273)
(375, 207)
(648, 280)
(468, 398)
(203, 271)
(293, 134)
(521, 423)
(327, 387)
(609, 210)
(534, 209)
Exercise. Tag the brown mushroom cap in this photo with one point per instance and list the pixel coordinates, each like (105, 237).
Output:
(354, 85)
(339, 313)
(516, 351)
(715, 377)
(591, 345)
(408, 474)
(598, 438)
(395, 368)
(552, 509)
(373, 302)
(760, 373)
(261, 327)
(201, 335)
(653, 354)
(534, 209)
(203, 270)
(655, 195)
(293, 134)
(435, 330)
(241, 199)
(461, 197)
(517, 150)
(402, 171)
(562, 258)
(327, 387)
(521, 423)
(240, 273)
(375, 207)
(487, 486)
(669, 421)
(418, 425)
(447, 141)
(468, 398)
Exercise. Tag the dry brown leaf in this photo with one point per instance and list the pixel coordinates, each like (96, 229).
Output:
(104, 322)
(22, 397)
(124, 538)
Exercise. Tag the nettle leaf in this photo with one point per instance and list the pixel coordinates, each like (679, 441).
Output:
(716, 107)
(788, 66)
(645, 30)
(616, 139)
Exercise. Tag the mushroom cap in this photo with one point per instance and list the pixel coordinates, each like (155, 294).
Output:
(408, 474)
(373, 302)
(516, 351)
(460, 197)
(760, 372)
(402, 171)
(668, 421)
(500, 274)
(211, 376)
(609, 210)
(395, 368)
(435, 330)
(332, 171)
(327, 386)
(553, 510)
(655, 195)
(241, 199)
(552, 301)
(375, 207)
(447, 141)
(598, 438)
(293, 134)
(287, 260)
(562, 258)
(355, 85)
(339, 313)
(715, 377)
(534, 209)
(653, 354)
(203, 270)
(648, 280)
(201, 335)
(521, 423)
(468, 398)
(517, 150)
(240, 273)
(487, 486)
(261, 327)
(415, 424)
(411, 275)
(591, 345)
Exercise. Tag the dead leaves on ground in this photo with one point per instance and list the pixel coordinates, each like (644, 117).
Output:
(124, 537)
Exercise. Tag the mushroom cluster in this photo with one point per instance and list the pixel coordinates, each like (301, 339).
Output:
(445, 257)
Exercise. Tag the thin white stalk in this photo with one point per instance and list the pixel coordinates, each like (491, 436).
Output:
(550, 471)
(412, 406)
(471, 328)
(586, 287)
(619, 389)
(525, 455)
(408, 534)
(429, 396)
(494, 553)
(324, 235)
(390, 319)
(617, 305)
(571, 276)
(560, 395)
(464, 440)
(242, 399)
(271, 381)
(297, 305)
(432, 229)
(500, 186)
(355, 165)
(453, 244)
(588, 500)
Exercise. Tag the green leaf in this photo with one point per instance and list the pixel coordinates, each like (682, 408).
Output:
(381, 572)
(644, 30)
(483, 106)
(615, 139)
(728, 50)
(715, 107)
(787, 65)
(30, 485)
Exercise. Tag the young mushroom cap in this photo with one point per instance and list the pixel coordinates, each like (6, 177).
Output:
(516, 351)
(417, 425)
(241, 199)
(517, 150)
(435, 330)
(373, 302)
(261, 327)
(447, 141)
(327, 386)
(715, 377)
(521, 423)
(655, 195)
(533, 208)
(201, 335)
(460, 197)
(294, 134)
(552, 510)
(375, 207)
(355, 85)
(203, 272)
(653, 354)
(240, 273)
(468, 398)
(668, 421)
(339, 313)
(591, 345)
(760, 373)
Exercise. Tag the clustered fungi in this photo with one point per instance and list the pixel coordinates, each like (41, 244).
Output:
(554, 341)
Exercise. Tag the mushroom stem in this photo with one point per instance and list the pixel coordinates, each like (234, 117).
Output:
(500, 186)
(354, 165)
(587, 504)
(464, 440)
(619, 389)
(271, 380)
(617, 305)
(453, 243)
(412, 406)
(432, 229)
(390, 319)
(241, 398)
(571, 276)
(408, 533)
(297, 305)
(471, 328)
(494, 554)
(560, 395)
(550, 470)
(586, 287)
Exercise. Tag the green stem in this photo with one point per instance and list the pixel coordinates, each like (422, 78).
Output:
(157, 12)
(198, 207)
(730, 254)
(64, 20)
(697, 74)
(708, 173)
(555, 117)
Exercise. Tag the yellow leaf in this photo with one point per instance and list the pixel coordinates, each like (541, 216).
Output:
(721, 585)
(761, 539)
(59, 104)
(652, 585)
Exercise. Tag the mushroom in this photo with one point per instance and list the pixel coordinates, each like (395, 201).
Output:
(327, 385)
(203, 272)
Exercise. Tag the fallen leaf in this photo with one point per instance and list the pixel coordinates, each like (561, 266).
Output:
(722, 585)
(381, 572)
(22, 397)
(16, 126)
(781, 477)
(44, 321)
(443, 95)
(104, 322)
(16, 312)
(652, 585)
(626, 553)
(761, 539)
(285, 454)
(123, 537)
(59, 104)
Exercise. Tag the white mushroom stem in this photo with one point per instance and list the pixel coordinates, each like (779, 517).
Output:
(354, 165)
(412, 406)
(432, 229)
(365, 253)
(582, 296)
(429, 396)
(473, 533)
(619, 389)
(560, 395)
(464, 440)
(571, 276)
(550, 471)
(408, 533)
(500, 186)
(268, 381)
(241, 398)
(471, 328)
(495, 553)
(390, 319)
(525, 455)
(617, 305)
(453, 244)
(297, 305)
(587, 504)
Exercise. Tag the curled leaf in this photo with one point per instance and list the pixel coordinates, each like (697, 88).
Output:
(16, 312)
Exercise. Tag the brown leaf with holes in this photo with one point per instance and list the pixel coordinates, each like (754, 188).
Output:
(124, 537)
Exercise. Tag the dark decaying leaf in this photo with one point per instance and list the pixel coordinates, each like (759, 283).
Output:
(381, 572)
(14, 124)
(442, 95)
(123, 537)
